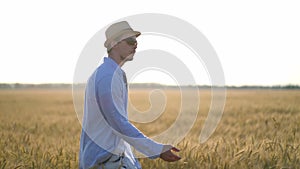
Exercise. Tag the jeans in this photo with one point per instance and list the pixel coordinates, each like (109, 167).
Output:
(116, 162)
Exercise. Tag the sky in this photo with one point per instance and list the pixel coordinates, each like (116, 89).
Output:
(257, 41)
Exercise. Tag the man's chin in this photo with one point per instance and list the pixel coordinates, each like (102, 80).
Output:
(130, 57)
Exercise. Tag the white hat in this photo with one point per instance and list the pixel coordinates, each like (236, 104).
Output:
(118, 32)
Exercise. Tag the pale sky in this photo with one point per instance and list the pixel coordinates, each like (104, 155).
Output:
(257, 42)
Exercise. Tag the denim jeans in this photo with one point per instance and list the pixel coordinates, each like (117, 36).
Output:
(116, 162)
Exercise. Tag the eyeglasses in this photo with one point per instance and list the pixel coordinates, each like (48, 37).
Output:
(131, 41)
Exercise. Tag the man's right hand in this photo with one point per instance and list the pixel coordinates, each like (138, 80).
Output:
(168, 155)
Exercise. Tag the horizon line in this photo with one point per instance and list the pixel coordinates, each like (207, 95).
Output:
(18, 85)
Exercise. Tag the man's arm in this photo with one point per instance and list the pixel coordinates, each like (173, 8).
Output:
(111, 103)
(133, 136)
(112, 106)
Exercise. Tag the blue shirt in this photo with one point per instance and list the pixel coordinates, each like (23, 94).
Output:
(106, 129)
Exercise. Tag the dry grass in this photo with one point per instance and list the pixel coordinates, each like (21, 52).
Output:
(259, 129)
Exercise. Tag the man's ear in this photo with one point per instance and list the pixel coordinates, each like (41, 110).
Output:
(108, 51)
(116, 46)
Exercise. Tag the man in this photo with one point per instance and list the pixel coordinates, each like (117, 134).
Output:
(106, 131)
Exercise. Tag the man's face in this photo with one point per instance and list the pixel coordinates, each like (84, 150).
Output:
(127, 48)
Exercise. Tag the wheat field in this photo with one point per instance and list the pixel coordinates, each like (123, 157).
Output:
(259, 129)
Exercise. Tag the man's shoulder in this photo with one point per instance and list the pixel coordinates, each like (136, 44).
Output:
(104, 70)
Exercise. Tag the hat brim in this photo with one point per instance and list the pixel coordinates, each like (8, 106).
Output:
(109, 43)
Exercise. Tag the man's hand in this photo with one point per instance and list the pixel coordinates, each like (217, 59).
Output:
(168, 155)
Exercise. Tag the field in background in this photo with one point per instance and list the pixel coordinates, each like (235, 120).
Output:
(259, 129)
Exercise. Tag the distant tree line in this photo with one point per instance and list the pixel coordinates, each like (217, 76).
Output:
(33, 86)
(139, 85)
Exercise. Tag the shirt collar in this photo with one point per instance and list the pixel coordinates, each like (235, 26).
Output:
(114, 65)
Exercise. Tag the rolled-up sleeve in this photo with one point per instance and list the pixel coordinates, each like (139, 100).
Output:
(111, 103)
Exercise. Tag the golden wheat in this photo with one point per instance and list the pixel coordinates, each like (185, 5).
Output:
(259, 129)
